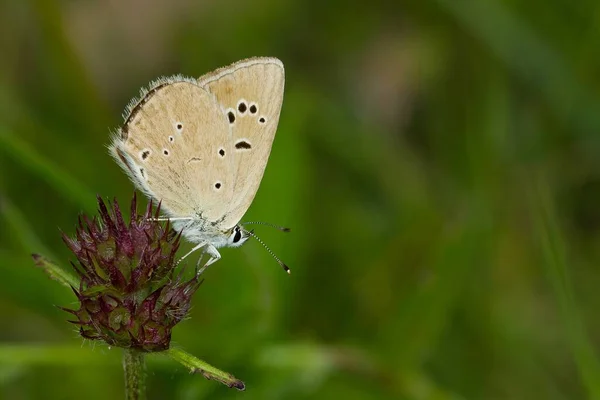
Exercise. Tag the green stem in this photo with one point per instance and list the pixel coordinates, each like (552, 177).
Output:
(135, 374)
(207, 370)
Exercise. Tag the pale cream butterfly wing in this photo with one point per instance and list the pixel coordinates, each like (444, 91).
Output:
(250, 93)
(174, 146)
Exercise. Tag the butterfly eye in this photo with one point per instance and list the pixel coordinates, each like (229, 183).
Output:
(165, 152)
(179, 127)
(237, 236)
(218, 185)
(262, 120)
(253, 109)
(171, 139)
(222, 152)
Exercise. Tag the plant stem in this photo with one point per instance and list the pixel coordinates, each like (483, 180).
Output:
(208, 371)
(135, 374)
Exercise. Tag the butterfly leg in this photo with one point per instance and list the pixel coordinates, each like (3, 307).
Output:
(197, 247)
(161, 219)
(214, 257)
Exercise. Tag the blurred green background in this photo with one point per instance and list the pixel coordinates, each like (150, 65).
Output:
(437, 161)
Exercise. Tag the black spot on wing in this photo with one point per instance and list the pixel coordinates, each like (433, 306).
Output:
(243, 145)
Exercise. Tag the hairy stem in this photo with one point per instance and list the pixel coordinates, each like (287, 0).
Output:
(135, 374)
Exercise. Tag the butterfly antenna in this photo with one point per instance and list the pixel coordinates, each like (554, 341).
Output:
(281, 228)
(281, 263)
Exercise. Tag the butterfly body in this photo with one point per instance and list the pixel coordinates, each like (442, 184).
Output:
(200, 147)
(197, 230)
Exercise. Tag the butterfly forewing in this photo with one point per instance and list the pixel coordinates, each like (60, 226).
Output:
(250, 93)
(173, 146)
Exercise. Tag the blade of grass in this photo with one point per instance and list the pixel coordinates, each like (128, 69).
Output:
(531, 58)
(555, 258)
(66, 65)
(21, 152)
(427, 311)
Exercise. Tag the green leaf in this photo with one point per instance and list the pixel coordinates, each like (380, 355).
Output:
(196, 365)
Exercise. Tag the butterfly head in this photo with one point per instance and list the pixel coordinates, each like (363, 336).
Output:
(237, 237)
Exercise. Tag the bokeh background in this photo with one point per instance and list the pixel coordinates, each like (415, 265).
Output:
(438, 162)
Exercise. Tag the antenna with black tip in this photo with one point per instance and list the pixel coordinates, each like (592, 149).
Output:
(281, 228)
(251, 233)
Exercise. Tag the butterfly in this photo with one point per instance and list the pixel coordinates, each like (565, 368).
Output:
(200, 147)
